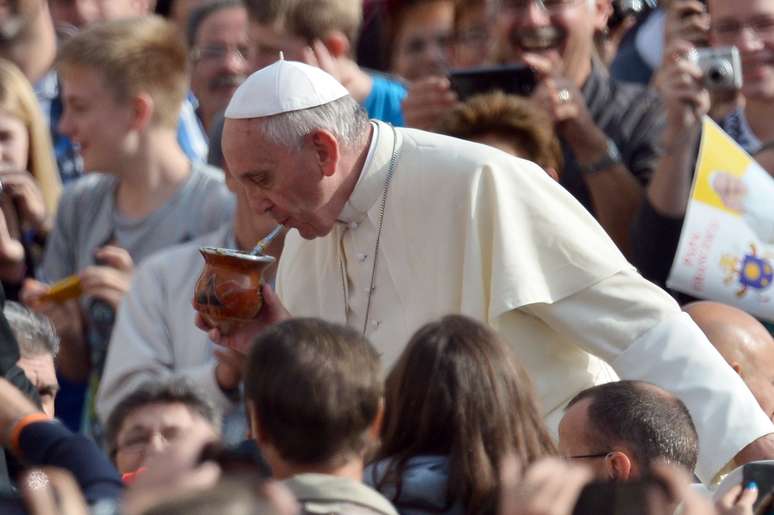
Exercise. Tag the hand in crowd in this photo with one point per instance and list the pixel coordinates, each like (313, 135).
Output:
(678, 492)
(25, 192)
(229, 367)
(686, 20)
(558, 96)
(550, 486)
(427, 101)
(11, 253)
(52, 490)
(271, 313)
(679, 82)
(66, 316)
(111, 280)
(566, 106)
(346, 71)
(176, 471)
(738, 501)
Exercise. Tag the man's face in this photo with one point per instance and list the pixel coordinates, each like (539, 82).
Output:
(423, 42)
(150, 429)
(39, 369)
(573, 440)
(561, 32)
(266, 42)
(286, 184)
(748, 25)
(219, 64)
(93, 119)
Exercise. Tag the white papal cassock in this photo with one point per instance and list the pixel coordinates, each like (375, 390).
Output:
(469, 229)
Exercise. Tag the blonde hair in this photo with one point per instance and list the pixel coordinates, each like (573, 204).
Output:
(18, 100)
(135, 55)
(309, 19)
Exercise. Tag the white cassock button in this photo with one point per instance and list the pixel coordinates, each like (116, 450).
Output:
(362, 257)
(353, 225)
(368, 290)
(376, 323)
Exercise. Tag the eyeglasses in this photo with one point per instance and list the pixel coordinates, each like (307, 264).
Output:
(729, 30)
(420, 45)
(590, 456)
(139, 441)
(478, 37)
(549, 6)
(218, 52)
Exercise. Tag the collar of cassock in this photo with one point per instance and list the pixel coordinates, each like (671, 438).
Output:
(370, 185)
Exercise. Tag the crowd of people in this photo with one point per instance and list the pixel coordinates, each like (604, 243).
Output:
(469, 313)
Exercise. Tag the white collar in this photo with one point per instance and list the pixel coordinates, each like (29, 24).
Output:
(370, 183)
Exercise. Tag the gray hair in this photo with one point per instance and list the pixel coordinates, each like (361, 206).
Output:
(172, 390)
(34, 333)
(344, 118)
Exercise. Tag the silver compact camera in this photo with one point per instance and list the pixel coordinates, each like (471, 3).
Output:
(722, 67)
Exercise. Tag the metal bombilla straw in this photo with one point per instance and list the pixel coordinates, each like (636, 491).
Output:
(261, 246)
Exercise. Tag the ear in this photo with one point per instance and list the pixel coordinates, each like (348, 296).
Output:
(326, 149)
(618, 466)
(142, 111)
(603, 9)
(337, 44)
(553, 173)
(737, 368)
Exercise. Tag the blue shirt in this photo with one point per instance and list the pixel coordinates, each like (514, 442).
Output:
(383, 103)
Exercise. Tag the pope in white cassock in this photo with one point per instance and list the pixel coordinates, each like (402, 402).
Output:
(396, 227)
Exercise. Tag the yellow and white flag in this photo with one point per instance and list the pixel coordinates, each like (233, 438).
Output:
(726, 247)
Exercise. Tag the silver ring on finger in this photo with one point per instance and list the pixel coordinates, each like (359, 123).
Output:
(564, 95)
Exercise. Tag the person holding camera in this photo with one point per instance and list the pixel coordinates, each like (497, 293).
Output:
(689, 90)
(609, 130)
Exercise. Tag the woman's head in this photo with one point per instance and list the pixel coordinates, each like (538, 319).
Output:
(25, 141)
(457, 391)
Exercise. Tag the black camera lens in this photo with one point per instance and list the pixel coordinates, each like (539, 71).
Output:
(719, 74)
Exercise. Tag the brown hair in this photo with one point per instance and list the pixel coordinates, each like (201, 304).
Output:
(309, 19)
(513, 118)
(458, 391)
(316, 388)
(135, 55)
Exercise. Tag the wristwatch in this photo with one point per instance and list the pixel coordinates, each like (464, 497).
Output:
(611, 158)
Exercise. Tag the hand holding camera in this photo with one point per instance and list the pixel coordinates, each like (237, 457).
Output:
(680, 82)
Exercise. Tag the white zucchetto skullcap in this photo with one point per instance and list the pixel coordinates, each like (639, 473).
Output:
(283, 87)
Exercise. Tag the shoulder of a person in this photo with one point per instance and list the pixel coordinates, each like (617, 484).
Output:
(323, 488)
(173, 258)
(86, 191)
(461, 159)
